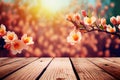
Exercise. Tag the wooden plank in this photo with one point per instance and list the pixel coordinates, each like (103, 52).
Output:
(114, 60)
(31, 71)
(7, 69)
(108, 66)
(88, 71)
(9, 60)
(2, 58)
(59, 69)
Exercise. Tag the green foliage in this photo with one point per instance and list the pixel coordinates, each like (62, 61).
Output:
(112, 11)
(101, 27)
(116, 9)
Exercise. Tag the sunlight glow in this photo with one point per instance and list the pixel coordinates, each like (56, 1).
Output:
(54, 5)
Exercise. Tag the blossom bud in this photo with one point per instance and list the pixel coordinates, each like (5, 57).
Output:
(113, 20)
(84, 13)
(103, 21)
(118, 19)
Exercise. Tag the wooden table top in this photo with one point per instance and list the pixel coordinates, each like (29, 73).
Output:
(60, 68)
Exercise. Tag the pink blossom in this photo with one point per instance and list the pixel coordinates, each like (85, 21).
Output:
(105, 27)
(119, 27)
(106, 8)
(17, 46)
(89, 21)
(2, 30)
(84, 13)
(27, 40)
(76, 17)
(103, 21)
(112, 5)
(118, 19)
(111, 29)
(69, 17)
(74, 37)
(113, 20)
(10, 37)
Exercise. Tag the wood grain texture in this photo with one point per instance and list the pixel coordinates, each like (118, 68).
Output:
(59, 69)
(114, 60)
(2, 58)
(9, 60)
(108, 66)
(88, 71)
(7, 69)
(31, 71)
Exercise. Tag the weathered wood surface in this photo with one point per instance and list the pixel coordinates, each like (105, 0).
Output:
(108, 66)
(1, 58)
(89, 72)
(59, 68)
(7, 69)
(9, 60)
(31, 71)
(114, 60)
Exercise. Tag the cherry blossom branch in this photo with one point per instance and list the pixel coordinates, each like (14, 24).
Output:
(113, 33)
(89, 23)
(10, 40)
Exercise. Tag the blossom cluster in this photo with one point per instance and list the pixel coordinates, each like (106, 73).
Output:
(50, 38)
(11, 42)
(88, 23)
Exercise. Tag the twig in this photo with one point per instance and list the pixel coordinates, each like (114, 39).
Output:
(113, 33)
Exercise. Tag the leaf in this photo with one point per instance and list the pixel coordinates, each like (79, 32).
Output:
(101, 27)
(89, 14)
(81, 26)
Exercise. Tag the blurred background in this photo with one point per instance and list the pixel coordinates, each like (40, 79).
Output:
(45, 21)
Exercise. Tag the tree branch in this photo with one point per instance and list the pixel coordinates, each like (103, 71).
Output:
(113, 33)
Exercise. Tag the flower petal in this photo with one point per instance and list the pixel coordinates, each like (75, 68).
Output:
(74, 37)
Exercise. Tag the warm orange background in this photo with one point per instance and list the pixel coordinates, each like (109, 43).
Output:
(49, 29)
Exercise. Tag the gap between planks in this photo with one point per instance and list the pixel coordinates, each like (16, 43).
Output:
(11, 68)
(111, 68)
(59, 69)
(114, 60)
(52, 70)
(9, 61)
(31, 71)
(88, 71)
